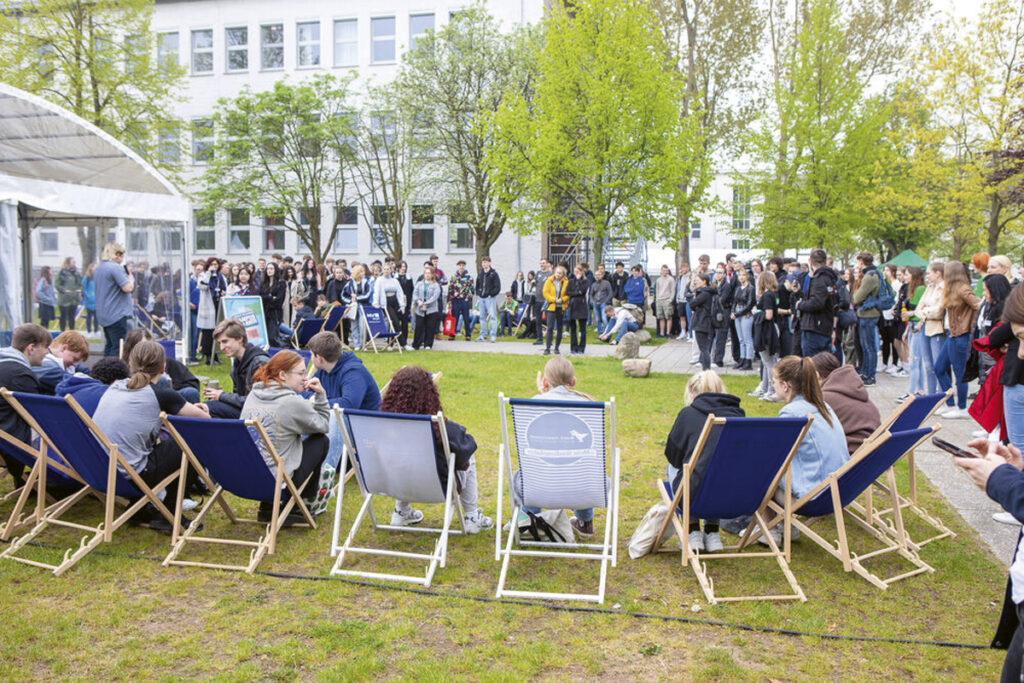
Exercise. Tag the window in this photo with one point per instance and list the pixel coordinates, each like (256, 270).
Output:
(382, 127)
(272, 46)
(460, 236)
(422, 226)
(695, 230)
(49, 240)
(346, 43)
(236, 40)
(345, 133)
(741, 245)
(382, 39)
(419, 24)
(135, 49)
(138, 240)
(202, 141)
(170, 240)
(202, 51)
(206, 236)
(169, 147)
(347, 237)
(308, 34)
(740, 209)
(167, 49)
(273, 233)
(239, 233)
(380, 215)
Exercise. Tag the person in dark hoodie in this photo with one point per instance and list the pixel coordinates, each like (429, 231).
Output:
(700, 322)
(246, 360)
(87, 390)
(29, 345)
(818, 308)
(705, 394)
(845, 393)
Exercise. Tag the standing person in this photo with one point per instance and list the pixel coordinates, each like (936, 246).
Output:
(46, 296)
(273, 292)
(488, 287)
(30, 344)
(818, 309)
(700, 323)
(682, 301)
(990, 314)
(719, 316)
(211, 288)
(406, 283)
(777, 267)
(246, 359)
(334, 288)
(460, 298)
(293, 289)
(636, 289)
(245, 287)
(114, 287)
(540, 304)
(961, 309)
(742, 316)
(933, 311)
(519, 287)
(915, 288)
(530, 302)
(427, 309)
(388, 296)
(556, 294)
(192, 342)
(578, 313)
(618, 282)
(899, 328)
(89, 299)
(358, 291)
(664, 301)
(766, 332)
(69, 293)
(600, 297)
(866, 298)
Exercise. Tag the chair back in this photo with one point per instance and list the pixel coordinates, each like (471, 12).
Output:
(396, 455)
(169, 347)
(377, 322)
(746, 457)
(858, 474)
(307, 356)
(228, 450)
(75, 442)
(914, 415)
(333, 318)
(54, 477)
(561, 451)
(307, 329)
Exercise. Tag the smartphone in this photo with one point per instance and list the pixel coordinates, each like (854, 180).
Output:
(953, 450)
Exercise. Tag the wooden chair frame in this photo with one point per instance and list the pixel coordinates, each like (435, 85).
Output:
(371, 338)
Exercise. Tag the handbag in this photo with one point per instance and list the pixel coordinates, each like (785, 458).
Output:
(642, 541)
(550, 526)
(972, 366)
(317, 504)
(449, 326)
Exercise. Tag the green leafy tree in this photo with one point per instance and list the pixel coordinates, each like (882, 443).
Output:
(285, 152)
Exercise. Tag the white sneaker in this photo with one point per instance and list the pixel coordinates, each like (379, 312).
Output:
(955, 414)
(756, 393)
(681, 337)
(696, 539)
(776, 535)
(713, 542)
(979, 434)
(408, 347)
(901, 373)
(476, 521)
(1005, 518)
(407, 518)
(188, 504)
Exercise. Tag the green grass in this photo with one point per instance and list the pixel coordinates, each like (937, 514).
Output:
(119, 614)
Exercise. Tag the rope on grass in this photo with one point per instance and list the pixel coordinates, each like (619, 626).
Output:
(580, 608)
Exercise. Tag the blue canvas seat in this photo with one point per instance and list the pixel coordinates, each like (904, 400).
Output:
(307, 355)
(378, 326)
(306, 330)
(230, 451)
(747, 459)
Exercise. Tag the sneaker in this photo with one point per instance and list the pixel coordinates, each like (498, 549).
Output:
(713, 542)
(696, 538)
(901, 373)
(480, 339)
(681, 337)
(979, 434)
(870, 381)
(734, 526)
(582, 529)
(406, 518)
(476, 521)
(902, 398)
(408, 347)
(538, 342)
(1005, 518)
(771, 398)
(756, 393)
(776, 536)
(955, 414)
(189, 504)
(159, 523)
(547, 352)
(494, 340)
(557, 352)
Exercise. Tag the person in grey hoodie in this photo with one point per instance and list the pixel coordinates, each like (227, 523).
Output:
(274, 402)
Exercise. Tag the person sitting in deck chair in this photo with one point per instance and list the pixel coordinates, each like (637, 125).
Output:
(89, 389)
(66, 352)
(287, 417)
(29, 345)
(845, 393)
(179, 377)
(345, 379)
(230, 335)
(412, 391)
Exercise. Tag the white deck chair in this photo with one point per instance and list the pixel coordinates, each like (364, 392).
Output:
(395, 456)
(562, 454)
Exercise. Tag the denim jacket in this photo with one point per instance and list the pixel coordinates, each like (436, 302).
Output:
(823, 449)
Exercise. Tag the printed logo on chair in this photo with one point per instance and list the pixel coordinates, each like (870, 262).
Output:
(559, 437)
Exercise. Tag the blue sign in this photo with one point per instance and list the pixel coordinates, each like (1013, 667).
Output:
(248, 310)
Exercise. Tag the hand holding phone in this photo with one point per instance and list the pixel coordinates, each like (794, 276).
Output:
(955, 451)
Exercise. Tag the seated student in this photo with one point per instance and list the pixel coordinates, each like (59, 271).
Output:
(287, 417)
(179, 377)
(508, 315)
(344, 377)
(844, 391)
(302, 312)
(66, 352)
(129, 415)
(412, 391)
(246, 360)
(620, 321)
(29, 345)
(89, 389)
(705, 394)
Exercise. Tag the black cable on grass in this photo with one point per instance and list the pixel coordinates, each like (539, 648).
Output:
(579, 608)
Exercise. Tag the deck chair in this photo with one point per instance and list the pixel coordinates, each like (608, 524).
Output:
(146, 320)
(228, 450)
(749, 456)
(307, 355)
(68, 431)
(306, 330)
(395, 456)
(837, 496)
(169, 347)
(377, 325)
(334, 317)
(563, 454)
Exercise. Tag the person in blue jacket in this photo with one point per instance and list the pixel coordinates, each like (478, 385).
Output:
(89, 299)
(636, 288)
(89, 389)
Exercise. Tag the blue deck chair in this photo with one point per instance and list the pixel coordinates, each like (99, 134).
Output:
(837, 497)
(377, 325)
(146, 320)
(747, 458)
(334, 317)
(67, 430)
(307, 355)
(563, 456)
(396, 456)
(230, 450)
(306, 330)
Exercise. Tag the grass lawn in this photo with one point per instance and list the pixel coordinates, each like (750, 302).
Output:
(120, 614)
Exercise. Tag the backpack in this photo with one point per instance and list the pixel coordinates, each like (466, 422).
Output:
(634, 310)
(884, 299)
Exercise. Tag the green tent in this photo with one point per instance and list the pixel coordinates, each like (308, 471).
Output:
(907, 258)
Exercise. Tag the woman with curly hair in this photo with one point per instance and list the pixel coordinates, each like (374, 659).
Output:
(412, 391)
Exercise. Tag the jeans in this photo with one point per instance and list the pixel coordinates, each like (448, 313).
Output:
(460, 311)
(868, 329)
(582, 515)
(90, 321)
(1014, 661)
(704, 349)
(113, 335)
(745, 332)
(488, 317)
(1013, 414)
(812, 343)
(768, 361)
(953, 356)
(190, 394)
(918, 345)
(356, 335)
(627, 326)
(931, 353)
(599, 318)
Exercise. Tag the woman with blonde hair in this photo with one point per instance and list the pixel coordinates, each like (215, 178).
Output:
(931, 310)
(766, 332)
(961, 306)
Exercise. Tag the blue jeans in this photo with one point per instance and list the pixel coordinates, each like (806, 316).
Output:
(932, 346)
(745, 331)
(113, 335)
(918, 351)
(867, 328)
(953, 356)
(190, 394)
(1013, 414)
(356, 332)
(628, 326)
(598, 317)
(582, 515)
(460, 311)
(193, 334)
(812, 343)
(488, 317)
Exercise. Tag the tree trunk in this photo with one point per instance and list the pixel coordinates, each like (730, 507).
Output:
(88, 241)
(483, 240)
(958, 239)
(994, 209)
(598, 250)
(683, 246)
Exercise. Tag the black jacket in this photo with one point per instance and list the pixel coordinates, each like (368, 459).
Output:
(1013, 366)
(700, 321)
(181, 376)
(462, 445)
(818, 309)
(725, 292)
(618, 281)
(334, 290)
(1005, 486)
(16, 375)
(488, 284)
(241, 375)
(578, 287)
(743, 300)
(687, 429)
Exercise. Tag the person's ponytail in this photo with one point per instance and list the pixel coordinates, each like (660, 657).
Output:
(802, 376)
(146, 361)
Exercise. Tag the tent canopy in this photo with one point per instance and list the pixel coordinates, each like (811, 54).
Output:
(907, 258)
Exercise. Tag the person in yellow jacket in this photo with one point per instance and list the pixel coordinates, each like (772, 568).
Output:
(556, 293)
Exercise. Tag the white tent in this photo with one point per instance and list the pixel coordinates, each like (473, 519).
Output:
(54, 163)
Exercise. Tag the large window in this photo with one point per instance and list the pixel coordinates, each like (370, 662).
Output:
(741, 245)
(202, 51)
(740, 209)
(202, 140)
(167, 49)
(460, 236)
(239, 231)
(49, 240)
(308, 39)
(272, 46)
(380, 216)
(170, 240)
(422, 226)
(273, 233)
(346, 42)
(237, 41)
(382, 39)
(206, 236)
(419, 24)
(347, 237)
(382, 125)
(138, 240)
(695, 230)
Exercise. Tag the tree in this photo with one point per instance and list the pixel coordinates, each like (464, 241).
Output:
(284, 152)
(96, 59)
(451, 81)
(598, 146)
